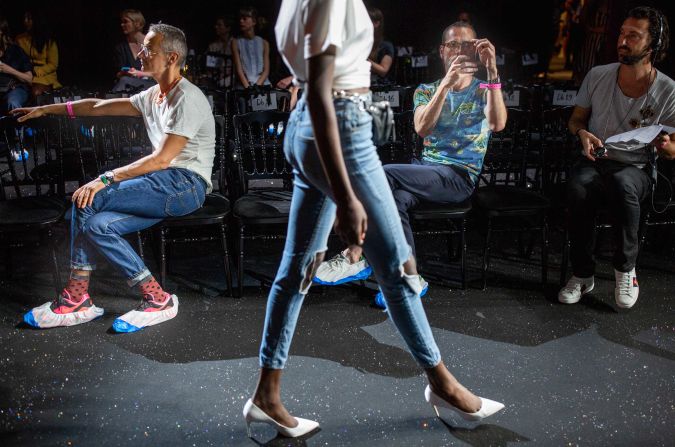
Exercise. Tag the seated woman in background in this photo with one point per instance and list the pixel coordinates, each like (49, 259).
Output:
(381, 57)
(128, 64)
(250, 53)
(16, 72)
(39, 44)
(221, 46)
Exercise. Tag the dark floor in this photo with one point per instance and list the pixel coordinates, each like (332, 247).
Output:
(569, 375)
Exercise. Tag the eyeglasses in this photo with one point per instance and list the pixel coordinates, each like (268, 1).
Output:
(453, 45)
(145, 51)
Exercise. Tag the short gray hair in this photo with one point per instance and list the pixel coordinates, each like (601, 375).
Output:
(173, 40)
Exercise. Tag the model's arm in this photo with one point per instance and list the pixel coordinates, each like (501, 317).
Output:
(83, 107)
(351, 220)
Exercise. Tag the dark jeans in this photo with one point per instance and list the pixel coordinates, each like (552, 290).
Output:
(619, 188)
(426, 182)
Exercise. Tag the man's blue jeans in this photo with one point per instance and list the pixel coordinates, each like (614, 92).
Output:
(311, 218)
(126, 207)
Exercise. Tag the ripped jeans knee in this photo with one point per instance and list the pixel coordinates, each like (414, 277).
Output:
(310, 270)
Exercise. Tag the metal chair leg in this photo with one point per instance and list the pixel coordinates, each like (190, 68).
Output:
(544, 251)
(565, 257)
(486, 252)
(162, 256)
(56, 273)
(462, 241)
(139, 241)
(240, 262)
(226, 259)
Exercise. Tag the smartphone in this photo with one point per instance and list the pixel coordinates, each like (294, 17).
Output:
(469, 50)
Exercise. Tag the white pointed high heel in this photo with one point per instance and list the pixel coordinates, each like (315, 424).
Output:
(487, 408)
(253, 413)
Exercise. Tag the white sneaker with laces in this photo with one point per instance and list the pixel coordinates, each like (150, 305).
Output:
(575, 289)
(338, 270)
(627, 289)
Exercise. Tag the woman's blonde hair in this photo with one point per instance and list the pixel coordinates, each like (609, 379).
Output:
(135, 16)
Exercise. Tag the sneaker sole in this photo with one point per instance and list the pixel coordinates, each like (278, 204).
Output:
(363, 274)
(134, 320)
(562, 300)
(380, 303)
(43, 317)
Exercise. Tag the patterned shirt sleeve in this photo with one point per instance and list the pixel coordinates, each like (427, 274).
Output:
(423, 95)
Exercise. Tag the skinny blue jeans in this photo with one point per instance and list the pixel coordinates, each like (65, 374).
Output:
(311, 218)
(126, 207)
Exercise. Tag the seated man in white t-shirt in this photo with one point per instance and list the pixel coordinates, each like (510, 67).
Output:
(172, 181)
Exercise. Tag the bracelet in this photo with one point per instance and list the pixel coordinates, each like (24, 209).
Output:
(495, 86)
(69, 109)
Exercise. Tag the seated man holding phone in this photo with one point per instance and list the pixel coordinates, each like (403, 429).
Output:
(455, 115)
(613, 99)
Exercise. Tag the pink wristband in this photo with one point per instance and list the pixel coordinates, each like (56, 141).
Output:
(490, 86)
(69, 109)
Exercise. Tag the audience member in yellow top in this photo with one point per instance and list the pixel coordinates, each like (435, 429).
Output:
(39, 45)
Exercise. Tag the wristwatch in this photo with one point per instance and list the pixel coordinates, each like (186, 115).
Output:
(494, 81)
(108, 178)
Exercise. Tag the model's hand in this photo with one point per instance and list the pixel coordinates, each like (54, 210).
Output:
(486, 54)
(589, 143)
(351, 222)
(84, 196)
(27, 113)
(459, 66)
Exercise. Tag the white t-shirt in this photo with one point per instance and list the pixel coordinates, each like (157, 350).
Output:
(306, 28)
(186, 112)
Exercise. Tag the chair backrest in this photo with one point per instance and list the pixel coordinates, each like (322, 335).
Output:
(104, 143)
(403, 145)
(258, 149)
(22, 147)
(506, 158)
(559, 147)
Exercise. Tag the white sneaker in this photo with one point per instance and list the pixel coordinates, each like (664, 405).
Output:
(626, 290)
(338, 270)
(575, 289)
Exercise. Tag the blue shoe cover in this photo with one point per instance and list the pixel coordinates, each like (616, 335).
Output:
(379, 298)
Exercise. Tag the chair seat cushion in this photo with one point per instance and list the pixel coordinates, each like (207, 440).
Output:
(31, 211)
(509, 198)
(430, 210)
(263, 204)
(215, 206)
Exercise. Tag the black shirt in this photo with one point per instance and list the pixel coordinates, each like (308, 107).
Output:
(15, 57)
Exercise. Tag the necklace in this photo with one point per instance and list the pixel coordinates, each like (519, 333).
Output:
(162, 95)
(630, 109)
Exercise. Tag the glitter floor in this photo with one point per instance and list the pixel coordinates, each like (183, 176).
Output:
(569, 375)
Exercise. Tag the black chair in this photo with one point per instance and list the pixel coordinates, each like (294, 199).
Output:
(260, 211)
(505, 195)
(214, 213)
(427, 219)
(23, 216)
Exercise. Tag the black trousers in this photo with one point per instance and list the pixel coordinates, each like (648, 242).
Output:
(428, 182)
(616, 187)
